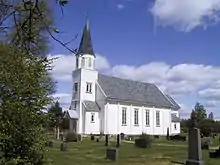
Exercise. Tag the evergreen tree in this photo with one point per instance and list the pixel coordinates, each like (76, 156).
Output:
(200, 112)
(56, 116)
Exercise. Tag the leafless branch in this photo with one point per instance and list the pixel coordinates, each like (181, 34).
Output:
(19, 26)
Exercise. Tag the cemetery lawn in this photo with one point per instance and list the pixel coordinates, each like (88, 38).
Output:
(90, 152)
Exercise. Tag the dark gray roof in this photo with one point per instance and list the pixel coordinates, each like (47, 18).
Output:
(134, 91)
(174, 118)
(173, 102)
(91, 106)
(85, 46)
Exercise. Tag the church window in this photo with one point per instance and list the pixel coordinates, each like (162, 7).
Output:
(175, 126)
(147, 118)
(77, 62)
(124, 116)
(92, 117)
(89, 87)
(157, 118)
(75, 105)
(75, 87)
(83, 62)
(89, 62)
(136, 117)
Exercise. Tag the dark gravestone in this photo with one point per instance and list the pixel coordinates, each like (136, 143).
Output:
(97, 140)
(51, 143)
(63, 147)
(168, 134)
(92, 137)
(80, 138)
(106, 140)
(111, 154)
(205, 144)
(215, 153)
(122, 136)
(118, 141)
(194, 148)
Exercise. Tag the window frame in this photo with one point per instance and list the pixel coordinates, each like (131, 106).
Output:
(124, 116)
(83, 62)
(75, 105)
(136, 117)
(88, 87)
(76, 87)
(89, 62)
(77, 62)
(147, 117)
(157, 118)
(92, 119)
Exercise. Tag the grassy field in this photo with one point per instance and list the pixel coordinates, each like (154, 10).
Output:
(90, 152)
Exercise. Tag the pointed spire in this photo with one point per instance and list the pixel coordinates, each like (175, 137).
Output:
(86, 41)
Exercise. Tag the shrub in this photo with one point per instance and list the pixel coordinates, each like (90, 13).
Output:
(156, 136)
(178, 137)
(143, 141)
(71, 137)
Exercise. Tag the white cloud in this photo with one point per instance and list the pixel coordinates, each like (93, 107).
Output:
(65, 64)
(63, 98)
(186, 15)
(177, 79)
(211, 103)
(120, 6)
(181, 81)
(210, 93)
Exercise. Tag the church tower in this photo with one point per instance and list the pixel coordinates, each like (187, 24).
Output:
(85, 57)
(84, 77)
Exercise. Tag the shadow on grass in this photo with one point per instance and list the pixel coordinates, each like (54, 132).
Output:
(176, 162)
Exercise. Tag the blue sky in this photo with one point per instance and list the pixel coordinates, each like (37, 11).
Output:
(174, 45)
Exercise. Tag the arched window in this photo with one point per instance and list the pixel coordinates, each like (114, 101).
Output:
(77, 62)
(89, 62)
(83, 62)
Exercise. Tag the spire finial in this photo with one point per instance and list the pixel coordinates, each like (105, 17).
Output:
(87, 20)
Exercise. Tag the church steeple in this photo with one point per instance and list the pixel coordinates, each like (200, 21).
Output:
(85, 46)
(85, 57)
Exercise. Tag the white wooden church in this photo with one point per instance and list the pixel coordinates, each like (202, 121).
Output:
(111, 105)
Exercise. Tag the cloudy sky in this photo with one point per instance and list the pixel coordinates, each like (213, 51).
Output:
(172, 43)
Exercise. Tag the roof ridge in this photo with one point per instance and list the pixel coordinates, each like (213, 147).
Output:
(127, 79)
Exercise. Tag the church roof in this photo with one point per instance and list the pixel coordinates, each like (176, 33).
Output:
(174, 118)
(134, 91)
(173, 101)
(72, 114)
(91, 106)
(85, 46)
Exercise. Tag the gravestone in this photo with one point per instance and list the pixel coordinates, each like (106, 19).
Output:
(51, 143)
(122, 136)
(215, 153)
(92, 137)
(194, 146)
(63, 147)
(97, 140)
(118, 141)
(106, 140)
(168, 134)
(79, 137)
(111, 154)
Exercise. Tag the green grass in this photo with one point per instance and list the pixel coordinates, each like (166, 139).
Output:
(92, 153)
